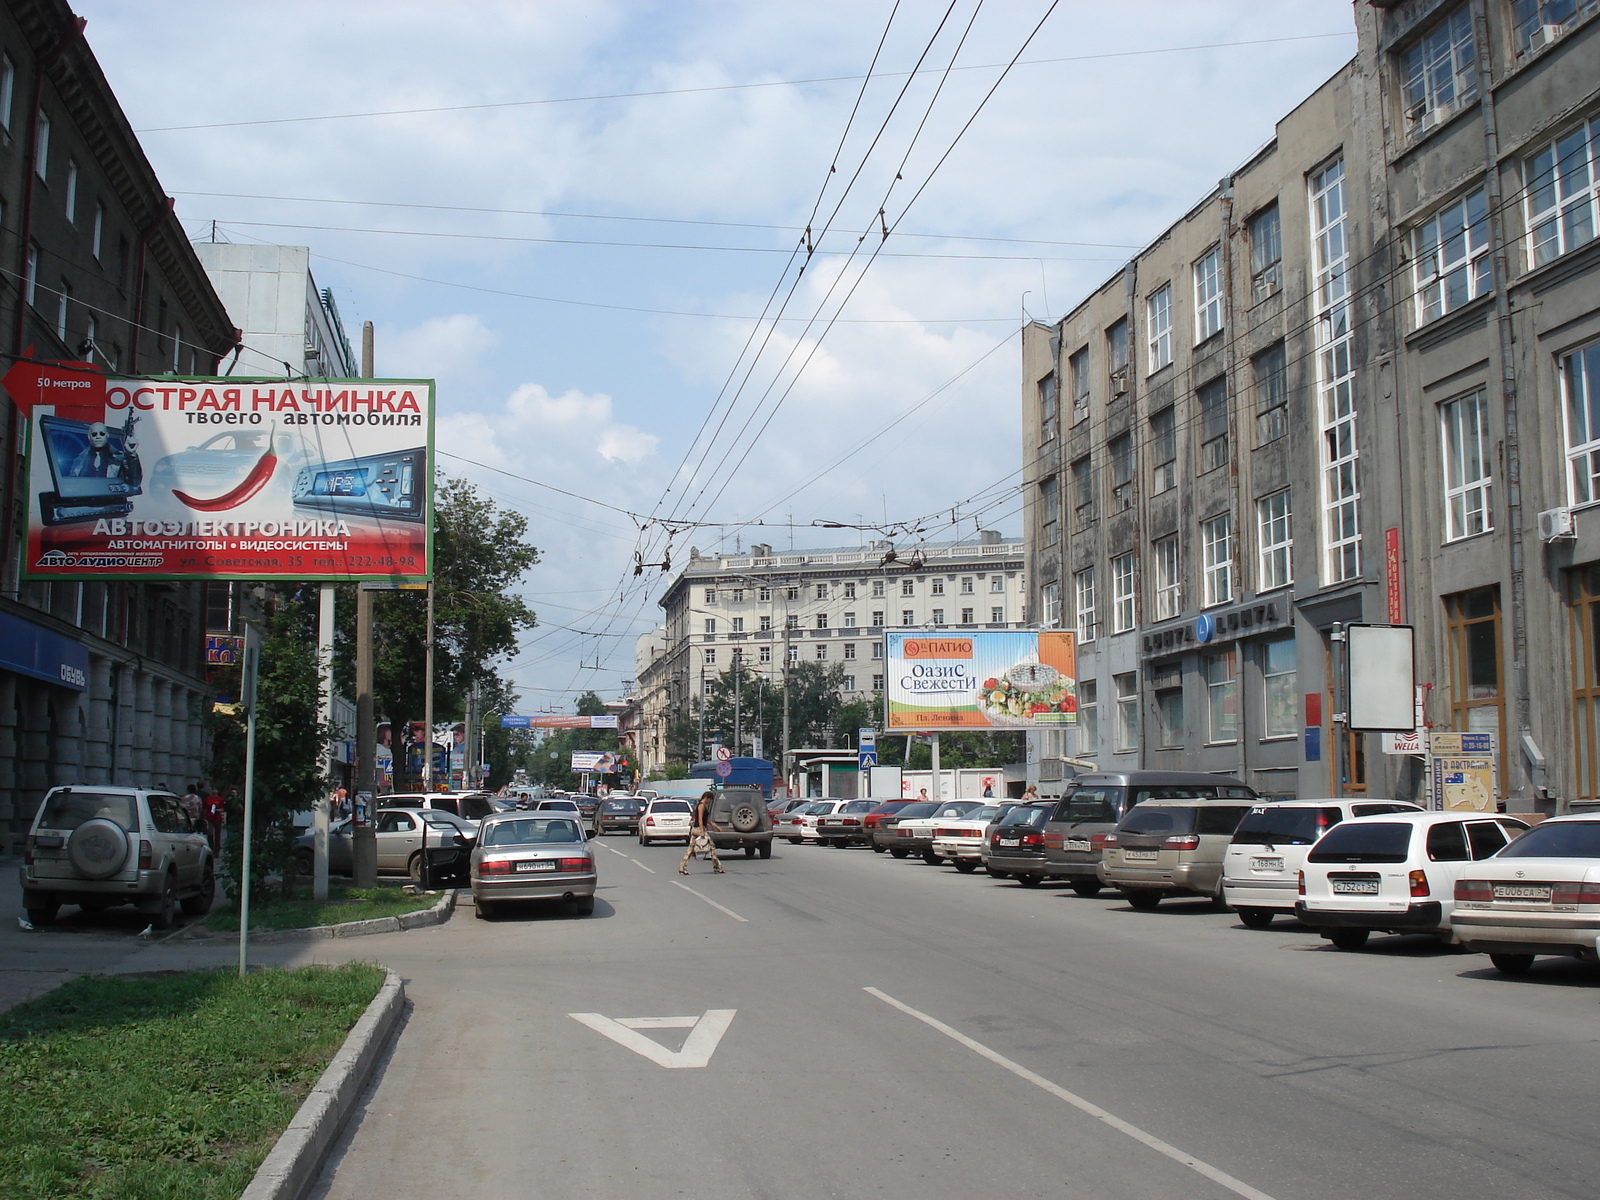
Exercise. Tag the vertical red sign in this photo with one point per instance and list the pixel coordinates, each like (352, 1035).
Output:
(1391, 560)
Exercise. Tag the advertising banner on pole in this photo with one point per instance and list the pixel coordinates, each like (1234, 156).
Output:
(1465, 771)
(226, 478)
(558, 722)
(603, 762)
(992, 679)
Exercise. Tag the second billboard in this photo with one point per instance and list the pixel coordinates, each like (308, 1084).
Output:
(993, 679)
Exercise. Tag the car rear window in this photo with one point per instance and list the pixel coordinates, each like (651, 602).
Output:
(1568, 839)
(1153, 818)
(1352, 842)
(671, 806)
(857, 806)
(622, 806)
(912, 811)
(1090, 804)
(68, 810)
(955, 810)
(891, 806)
(986, 813)
(1028, 816)
(531, 831)
(1273, 826)
(1171, 791)
(1219, 820)
(476, 807)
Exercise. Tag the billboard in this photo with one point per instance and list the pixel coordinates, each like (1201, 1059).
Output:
(602, 761)
(224, 478)
(991, 679)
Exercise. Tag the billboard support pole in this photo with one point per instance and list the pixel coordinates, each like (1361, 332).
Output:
(933, 762)
(319, 840)
(427, 699)
(363, 839)
(252, 660)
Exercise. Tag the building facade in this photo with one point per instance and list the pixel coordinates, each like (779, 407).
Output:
(98, 681)
(1344, 388)
(287, 324)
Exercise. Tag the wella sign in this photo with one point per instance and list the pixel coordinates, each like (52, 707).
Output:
(992, 679)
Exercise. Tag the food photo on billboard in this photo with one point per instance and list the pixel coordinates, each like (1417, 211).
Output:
(990, 679)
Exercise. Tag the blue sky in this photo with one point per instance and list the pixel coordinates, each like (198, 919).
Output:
(429, 224)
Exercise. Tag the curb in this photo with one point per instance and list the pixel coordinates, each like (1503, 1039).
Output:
(420, 919)
(293, 1163)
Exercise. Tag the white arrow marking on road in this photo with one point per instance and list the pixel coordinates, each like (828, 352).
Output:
(705, 1033)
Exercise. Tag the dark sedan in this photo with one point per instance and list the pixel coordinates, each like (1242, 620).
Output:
(1016, 845)
(618, 812)
(885, 832)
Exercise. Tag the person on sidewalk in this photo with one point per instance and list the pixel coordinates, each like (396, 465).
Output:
(700, 837)
(191, 803)
(215, 812)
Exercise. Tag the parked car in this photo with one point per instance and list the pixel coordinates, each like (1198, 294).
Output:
(532, 856)
(1085, 814)
(870, 819)
(617, 812)
(1170, 848)
(1395, 873)
(800, 825)
(472, 805)
(1015, 845)
(1539, 895)
(97, 846)
(784, 804)
(885, 833)
(844, 826)
(1261, 869)
(961, 841)
(740, 820)
(914, 835)
(398, 834)
(668, 820)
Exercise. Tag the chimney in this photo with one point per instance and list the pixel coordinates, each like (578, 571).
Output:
(988, 537)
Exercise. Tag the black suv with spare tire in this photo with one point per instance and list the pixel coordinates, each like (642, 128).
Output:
(742, 820)
(96, 846)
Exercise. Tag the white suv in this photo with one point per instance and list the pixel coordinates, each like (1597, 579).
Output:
(95, 846)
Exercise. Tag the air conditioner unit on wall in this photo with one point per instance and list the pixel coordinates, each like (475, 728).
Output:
(1556, 524)
(1544, 35)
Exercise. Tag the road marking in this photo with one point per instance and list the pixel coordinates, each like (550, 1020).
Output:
(1094, 1110)
(615, 851)
(640, 865)
(705, 1034)
(708, 900)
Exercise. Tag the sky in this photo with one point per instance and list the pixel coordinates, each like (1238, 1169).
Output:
(573, 216)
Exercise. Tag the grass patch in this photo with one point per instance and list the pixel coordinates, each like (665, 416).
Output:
(164, 1088)
(298, 910)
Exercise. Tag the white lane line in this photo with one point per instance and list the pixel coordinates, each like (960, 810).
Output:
(615, 851)
(639, 864)
(1094, 1110)
(708, 900)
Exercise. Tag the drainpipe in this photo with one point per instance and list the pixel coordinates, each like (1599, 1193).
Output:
(1235, 448)
(138, 283)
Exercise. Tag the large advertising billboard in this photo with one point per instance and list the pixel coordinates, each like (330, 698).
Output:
(991, 679)
(222, 478)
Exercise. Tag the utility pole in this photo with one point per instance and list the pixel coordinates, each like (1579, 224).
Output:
(427, 700)
(783, 761)
(738, 682)
(319, 818)
(363, 840)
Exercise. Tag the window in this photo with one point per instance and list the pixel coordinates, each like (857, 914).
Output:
(177, 348)
(1213, 398)
(997, 616)
(711, 625)
(877, 617)
(1540, 22)
(791, 621)
(738, 624)
(711, 656)
(1121, 451)
(1124, 609)
(89, 331)
(1049, 408)
(711, 595)
(764, 593)
(1160, 310)
(1468, 467)
(1088, 716)
(1083, 492)
(877, 649)
(1583, 625)
(938, 587)
(822, 591)
(1441, 70)
(764, 654)
(966, 585)
(822, 652)
(996, 584)
(1086, 621)
(705, 687)
(1050, 604)
(738, 656)
(1208, 295)
(1561, 188)
(1266, 253)
(70, 200)
(1166, 560)
(41, 151)
(1216, 545)
(877, 588)
(8, 90)
(793, 655)
(1169, 712)
(1078, 376)
(1049, 511)
(1163, 452)
(765, 623)
(1117, 354)
(1270, 372)
(849, 620)
(848, 683)
(938, 616)
(907, 617)
(849, 591)
(1580, 386)
(907, 588)
(1450, 258)
(1473, 620)
(791, 593)
(30, 285)
(1336, 403)
(61, 311)
(1275, 542)
(1222, 697)
(1127, 687)
(877, 683)
(966, 616)
(822, 620)
(1279, 713)
(849, 649)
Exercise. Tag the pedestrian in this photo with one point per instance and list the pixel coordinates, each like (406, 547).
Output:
(1031, 796)
(923, 794)
(191, 803)
(215, 811)
(700, 837)
(988, 789)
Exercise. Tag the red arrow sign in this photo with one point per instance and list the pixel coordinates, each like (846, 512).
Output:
(76, 389)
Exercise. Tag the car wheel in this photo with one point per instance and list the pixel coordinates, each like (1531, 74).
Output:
(583, 906)
(898, 852)
(993, 874)
(841, 843)
(167, 915)
(199, 904)
(1349, 939)
(766, 849)
(643, 841)
(1142, 898)
(1256, 918)
(877, 849)
(1512, 964)
(43, 913)
(745, 818)
(98, 848)
(966, 865)
(1087, 887)
(414, 869)
(932, 859)
(305, 862)
(485, 910)
(792, 841)
(749, 851)
(1030, 880)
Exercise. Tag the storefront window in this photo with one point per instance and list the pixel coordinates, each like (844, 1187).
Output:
(1222, 697)
(1279, 718)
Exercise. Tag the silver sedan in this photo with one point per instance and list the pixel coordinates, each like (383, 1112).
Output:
(528, 856)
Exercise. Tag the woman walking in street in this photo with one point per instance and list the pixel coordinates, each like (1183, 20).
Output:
(700, 842)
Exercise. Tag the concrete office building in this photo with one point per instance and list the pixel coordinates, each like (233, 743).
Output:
(1345, 387)
(98, 681)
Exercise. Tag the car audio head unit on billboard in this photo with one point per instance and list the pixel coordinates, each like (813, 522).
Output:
(379, 485)
(94, 467)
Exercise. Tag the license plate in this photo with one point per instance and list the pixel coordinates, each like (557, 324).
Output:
(1266, 864)
(1355, 887)
(1010, 841)
(539, 864)
(1139, 855)
(1075, 844)
(1515, 891)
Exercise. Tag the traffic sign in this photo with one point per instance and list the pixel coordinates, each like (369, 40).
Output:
(724, 753)
(866, 759)
(724, 769)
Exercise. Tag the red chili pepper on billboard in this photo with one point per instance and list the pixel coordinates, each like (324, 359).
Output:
(252, 483)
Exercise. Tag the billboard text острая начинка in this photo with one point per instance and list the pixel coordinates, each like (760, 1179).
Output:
(222, 478)
(993, 679)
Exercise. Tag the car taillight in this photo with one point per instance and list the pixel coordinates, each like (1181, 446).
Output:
(1572, 893)
(1302, 884)
(1183, 841)
(1419, 883)
(494, 868)
(649, 820)
(1033, 839)
(849, 821)
(147, 855)
(1101, 841)
(27, 853)
(575, 864)
(1476, 890)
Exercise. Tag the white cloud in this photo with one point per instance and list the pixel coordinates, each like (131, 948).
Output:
(443, 348)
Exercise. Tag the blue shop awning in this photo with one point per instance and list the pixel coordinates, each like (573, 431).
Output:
(28, 650)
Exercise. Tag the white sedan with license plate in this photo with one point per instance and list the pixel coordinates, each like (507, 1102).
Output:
(666, 821)
(961, 840)
(915, 835)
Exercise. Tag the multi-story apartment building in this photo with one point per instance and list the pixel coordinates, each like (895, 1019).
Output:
(102, 680)
(1345, 387)
(830, 606)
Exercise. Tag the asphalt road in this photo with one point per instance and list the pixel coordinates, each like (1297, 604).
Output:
(1077, 1048)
